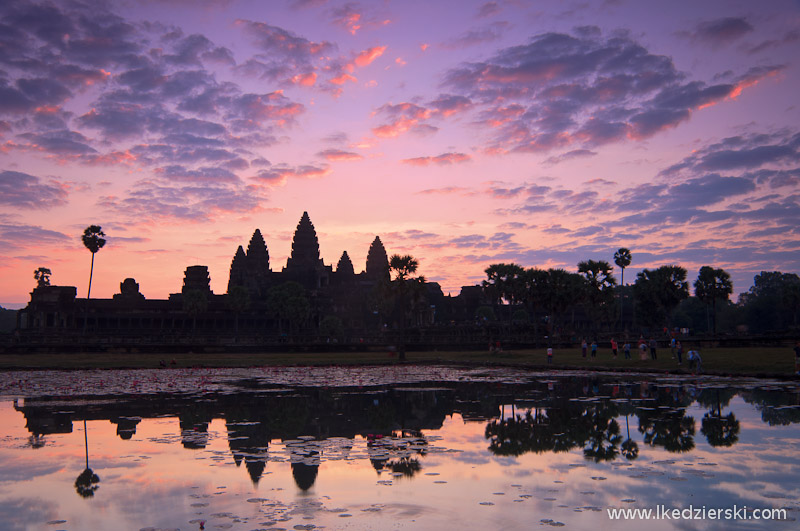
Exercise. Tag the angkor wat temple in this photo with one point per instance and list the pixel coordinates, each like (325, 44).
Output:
(306, 301)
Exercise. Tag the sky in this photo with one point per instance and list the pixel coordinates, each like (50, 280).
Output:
(462, 133)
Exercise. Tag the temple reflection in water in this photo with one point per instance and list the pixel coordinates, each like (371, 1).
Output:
(390, 427)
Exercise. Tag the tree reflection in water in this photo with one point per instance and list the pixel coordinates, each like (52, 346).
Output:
(320, 423)
(719, 430)
(87, 482)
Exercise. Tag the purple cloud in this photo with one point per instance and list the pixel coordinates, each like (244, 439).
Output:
(21, 190)
(722, 30)
(560, 91)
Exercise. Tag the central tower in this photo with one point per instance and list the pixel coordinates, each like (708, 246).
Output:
(304, 265)
(305, 247)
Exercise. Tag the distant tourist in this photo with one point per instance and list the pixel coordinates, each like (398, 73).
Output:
(626, 350)
(549, 355)
(679, 352)
(614, 348)
(672, 346)
(695, 360)
(584, 347)
(594, 349)
(642, 349)
(653, 346)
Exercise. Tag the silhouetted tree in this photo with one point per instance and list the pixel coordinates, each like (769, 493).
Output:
(505, 281)
(562, 290)
(600, 284)
(93, 239)
(623, 259)
(404, 284)
(42, 277)
(713, 284)
(658, 291)
(772, 302)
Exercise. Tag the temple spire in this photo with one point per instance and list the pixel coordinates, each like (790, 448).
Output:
(377, 261)
(345, 266)
(305, 246)
(238, 274)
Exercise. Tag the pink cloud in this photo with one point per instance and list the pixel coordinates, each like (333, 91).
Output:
(368, 56)
(305, 80)
(444, 158)
(337, 155)
(279, 175)
(343, 78)
(447, 190)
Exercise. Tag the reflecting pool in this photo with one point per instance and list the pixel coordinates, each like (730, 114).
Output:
(402, 447)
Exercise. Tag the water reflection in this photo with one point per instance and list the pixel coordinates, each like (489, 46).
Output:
(404, 433)
(545, 416)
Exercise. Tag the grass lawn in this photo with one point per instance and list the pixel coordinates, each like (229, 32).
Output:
(778, 362)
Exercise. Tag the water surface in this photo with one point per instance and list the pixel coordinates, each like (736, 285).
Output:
(402, 447)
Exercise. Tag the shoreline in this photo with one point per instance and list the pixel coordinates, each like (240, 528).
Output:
(765, 362)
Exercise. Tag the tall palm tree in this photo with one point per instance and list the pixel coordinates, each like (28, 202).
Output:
(623, 259)
(94, 240)
(402, 268)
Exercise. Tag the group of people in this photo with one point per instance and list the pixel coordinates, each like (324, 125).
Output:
(676, 348)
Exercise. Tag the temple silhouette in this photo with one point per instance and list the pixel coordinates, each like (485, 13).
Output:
(306, 301)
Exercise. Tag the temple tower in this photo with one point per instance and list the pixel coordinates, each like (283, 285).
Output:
(304, 265)
(196, 278)
(238, 275)
(305, 247)
(345, 266)
(377, 261)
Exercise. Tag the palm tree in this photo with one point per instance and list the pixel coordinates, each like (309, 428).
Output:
(600, 283)
(713, 284)
(94, 240)
(623, 259)
(402, 268)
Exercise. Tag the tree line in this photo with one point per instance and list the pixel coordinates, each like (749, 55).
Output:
(659, 298)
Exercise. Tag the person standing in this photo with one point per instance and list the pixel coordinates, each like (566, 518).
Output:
(626, 350)
(584, 347)
(679, 352)
(614, 348)
(653, 346)
(594, 349)
(549, 355)
(672, 346)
